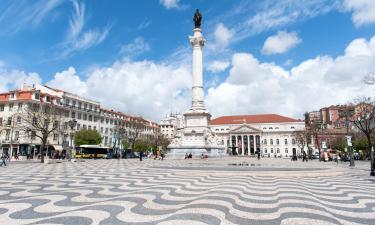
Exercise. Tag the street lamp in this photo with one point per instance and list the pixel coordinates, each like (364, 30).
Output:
(72, 125)
(348, 113)
(323, 126)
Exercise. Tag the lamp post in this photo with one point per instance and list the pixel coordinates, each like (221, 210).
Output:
(322, 127)
(348, 113)
(72, 125)
(372, 173)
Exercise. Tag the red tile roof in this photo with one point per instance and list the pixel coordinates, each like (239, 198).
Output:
(261, 118)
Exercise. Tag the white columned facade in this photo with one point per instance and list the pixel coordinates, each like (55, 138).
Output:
(248, 144)
(242, 145)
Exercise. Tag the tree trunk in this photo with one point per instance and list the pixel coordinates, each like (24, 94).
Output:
(317, 143)
(42, 152)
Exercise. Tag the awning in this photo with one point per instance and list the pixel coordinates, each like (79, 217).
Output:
(58, 147)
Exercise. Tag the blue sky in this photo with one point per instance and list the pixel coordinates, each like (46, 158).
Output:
(134, 56)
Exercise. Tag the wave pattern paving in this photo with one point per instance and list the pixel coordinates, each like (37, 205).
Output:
(130, 192)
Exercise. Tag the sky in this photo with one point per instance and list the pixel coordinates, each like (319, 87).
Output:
(273, 56)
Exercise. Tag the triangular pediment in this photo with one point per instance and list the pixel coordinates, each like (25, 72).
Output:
(245, 129)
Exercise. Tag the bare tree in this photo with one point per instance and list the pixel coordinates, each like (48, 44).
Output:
(365, 122)
(301, 138)
(136, 127)
(370, 78)
(42, 120)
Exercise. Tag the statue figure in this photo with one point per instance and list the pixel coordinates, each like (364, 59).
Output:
(197, 19)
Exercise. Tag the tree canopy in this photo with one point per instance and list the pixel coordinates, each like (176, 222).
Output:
(87, 137)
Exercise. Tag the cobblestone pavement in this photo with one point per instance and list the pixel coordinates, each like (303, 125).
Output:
(213, 191)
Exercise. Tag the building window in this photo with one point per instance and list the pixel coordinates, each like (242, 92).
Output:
(106, 130)
(79, 116)
(286, 150)
(286, 141)
(89, 127)
(19, 107)
(48, 98)
(17, 135)
(101, 119)
(95, 118)
(37, 96)
(9, 121)
(271, 141)
(79, 105)
(18, 119)
(90, 107)
(78, 126)
(265, 150)
(90, 117)
(73, 114)
(270, 128)
(10, 107)
(85, 106)
(291, 127)
(277, 141)
(293, 141)
(84, 126)
(12, 96)
(7, 135)
(106, 120)
(84, 116)
(66, 101)
(265, 141)
(278, 150)
(55, 137)
(1, 107)
(73, 103)
(271, 150)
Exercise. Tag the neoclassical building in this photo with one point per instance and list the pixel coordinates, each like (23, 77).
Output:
(271, 134)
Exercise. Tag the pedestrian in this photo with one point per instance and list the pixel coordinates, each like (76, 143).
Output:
(304, 158)
(2, 160)
(258, 154)
(162, 155)
(140, 155)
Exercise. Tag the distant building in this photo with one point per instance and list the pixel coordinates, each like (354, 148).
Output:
(113, 126)
(271, 134)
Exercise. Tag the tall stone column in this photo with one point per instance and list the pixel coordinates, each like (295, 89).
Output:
(197, 41)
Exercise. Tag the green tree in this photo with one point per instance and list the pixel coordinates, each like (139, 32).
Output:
(140, 146)
(339, 144)
(87, 137)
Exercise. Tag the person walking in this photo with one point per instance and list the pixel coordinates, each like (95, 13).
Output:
(140, 155)
(2, 160)
(304, 158)
(258, 152)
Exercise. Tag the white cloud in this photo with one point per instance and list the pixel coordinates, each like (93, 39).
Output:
(77, 38)
(136, 87)
(248, 18)
(13, 79)
(217, 66)
(138, 46)
(255, 87)
(20, 15)
(69, 81)
(280, 43)
(171, 4)
(222, 36)
(363, 11)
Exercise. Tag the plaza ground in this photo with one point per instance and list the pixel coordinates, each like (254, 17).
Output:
(198, 191)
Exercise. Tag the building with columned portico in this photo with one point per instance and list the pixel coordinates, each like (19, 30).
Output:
(271, 134)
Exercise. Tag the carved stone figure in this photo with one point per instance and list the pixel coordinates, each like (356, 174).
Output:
(197, 19)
